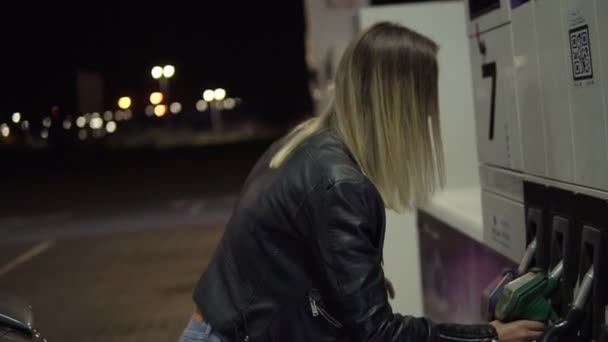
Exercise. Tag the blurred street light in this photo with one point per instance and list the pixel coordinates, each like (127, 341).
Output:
(163, 74)
(44, 134)
(124, 102)
(175, 107)
(208, 95)
(168, 71)
(202, 105)
(95, 116)
(111, 127)
(67, 124)
(149, 110)
(25, 125)
(16, 117)
(160, 110)
(229, 103)
(5, 130)
(156, 98)
(46, 122)
(219, 94)
(108, 115)
(214, 98)
(157, 72)
(96, 123)
(81, 121)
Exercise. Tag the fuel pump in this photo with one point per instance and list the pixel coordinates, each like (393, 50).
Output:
(573, 319)
(565, 246)
(586, 318)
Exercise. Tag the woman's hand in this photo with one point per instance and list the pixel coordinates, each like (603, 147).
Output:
(518, 331)
(389, 288)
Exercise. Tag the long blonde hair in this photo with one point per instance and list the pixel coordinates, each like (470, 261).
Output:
(386, 111)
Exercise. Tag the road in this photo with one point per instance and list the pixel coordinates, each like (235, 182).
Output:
(127, 287)
(108, 246)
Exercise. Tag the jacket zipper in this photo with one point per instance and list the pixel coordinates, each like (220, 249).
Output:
(313, 307)
(318, 310)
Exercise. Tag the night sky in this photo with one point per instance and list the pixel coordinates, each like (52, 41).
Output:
(255, 49)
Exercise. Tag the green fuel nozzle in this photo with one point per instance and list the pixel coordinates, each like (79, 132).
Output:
(527, 297)
(508, 276)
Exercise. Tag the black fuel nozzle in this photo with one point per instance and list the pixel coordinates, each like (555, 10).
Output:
(569, 325)
(564, 327)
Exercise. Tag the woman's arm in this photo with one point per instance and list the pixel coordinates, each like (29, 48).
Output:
(350, 218)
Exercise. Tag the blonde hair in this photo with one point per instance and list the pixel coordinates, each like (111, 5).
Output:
(386, 111)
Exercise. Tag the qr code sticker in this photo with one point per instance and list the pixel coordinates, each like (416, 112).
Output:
(580, 46)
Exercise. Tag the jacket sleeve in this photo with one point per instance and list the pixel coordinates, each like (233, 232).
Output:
(349, 238)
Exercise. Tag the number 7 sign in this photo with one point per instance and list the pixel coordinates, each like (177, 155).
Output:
(489, 70)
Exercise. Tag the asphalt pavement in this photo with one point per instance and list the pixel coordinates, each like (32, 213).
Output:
(122, 287)
(108, 245)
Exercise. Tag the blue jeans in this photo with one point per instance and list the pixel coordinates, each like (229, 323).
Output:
(200, 332)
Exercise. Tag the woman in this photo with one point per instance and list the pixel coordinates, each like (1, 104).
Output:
(301, 258)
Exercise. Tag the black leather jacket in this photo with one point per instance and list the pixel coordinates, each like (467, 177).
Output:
(301, 258)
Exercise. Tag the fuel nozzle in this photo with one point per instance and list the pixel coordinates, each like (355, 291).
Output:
(572, 322)
(527, 297)
(508, 276)
(527, 259)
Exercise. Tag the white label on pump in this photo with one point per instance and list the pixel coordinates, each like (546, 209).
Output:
(501, 232)
(580, 38)
(504, 226)
(501, 236)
